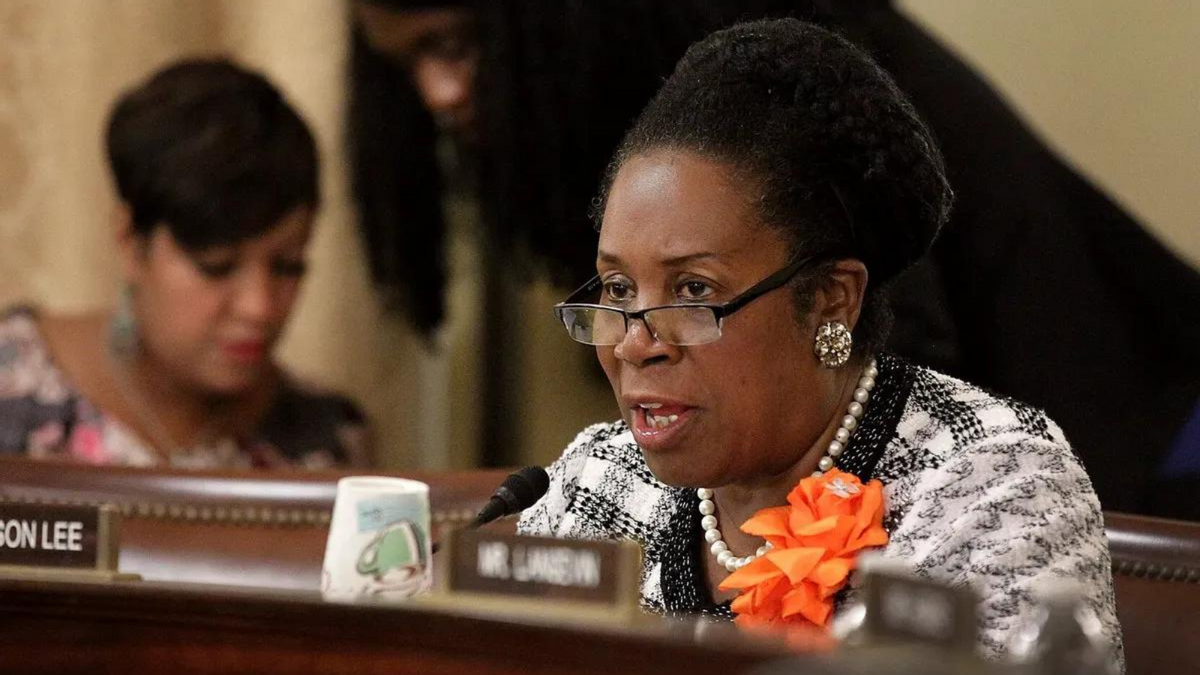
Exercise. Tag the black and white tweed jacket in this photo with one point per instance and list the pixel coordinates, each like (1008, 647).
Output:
(978, 490)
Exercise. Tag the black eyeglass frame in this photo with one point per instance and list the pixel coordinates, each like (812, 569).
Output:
(720, 312)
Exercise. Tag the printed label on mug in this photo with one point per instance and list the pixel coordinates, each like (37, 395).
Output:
(395, 558)
(377, 512)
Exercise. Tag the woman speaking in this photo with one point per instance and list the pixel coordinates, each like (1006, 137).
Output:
(749, 224)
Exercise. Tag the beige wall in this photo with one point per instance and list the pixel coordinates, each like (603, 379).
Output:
(1113, 86)
(56, 81)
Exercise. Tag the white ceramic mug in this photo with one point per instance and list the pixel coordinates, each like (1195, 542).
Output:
(378, 539)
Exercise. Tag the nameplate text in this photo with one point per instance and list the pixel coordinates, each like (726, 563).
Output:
(37, 535)
(603, 572)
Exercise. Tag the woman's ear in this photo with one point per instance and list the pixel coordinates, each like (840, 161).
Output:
(841, 296)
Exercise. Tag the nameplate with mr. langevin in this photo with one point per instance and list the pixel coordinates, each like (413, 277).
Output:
(58, 541)
(586, 579)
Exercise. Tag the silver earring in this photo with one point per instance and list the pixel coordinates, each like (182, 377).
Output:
(122, 328)
(833, 344)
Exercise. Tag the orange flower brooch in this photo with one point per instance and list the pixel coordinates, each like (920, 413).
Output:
(812, 544)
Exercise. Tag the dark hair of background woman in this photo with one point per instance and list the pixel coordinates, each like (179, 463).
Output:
(212, 151)
(844, 164)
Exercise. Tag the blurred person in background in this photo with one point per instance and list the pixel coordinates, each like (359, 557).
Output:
(528, 98)
(217, 177)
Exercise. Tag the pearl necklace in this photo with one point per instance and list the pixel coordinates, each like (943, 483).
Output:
(708, 508)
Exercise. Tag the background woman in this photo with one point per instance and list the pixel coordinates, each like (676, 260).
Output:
(749, 225)
(217, 179)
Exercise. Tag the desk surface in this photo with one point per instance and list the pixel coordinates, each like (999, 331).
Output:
(140, 627)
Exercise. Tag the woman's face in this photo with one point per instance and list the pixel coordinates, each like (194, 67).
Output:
(210, 318)
(439, 49)
(747, 407)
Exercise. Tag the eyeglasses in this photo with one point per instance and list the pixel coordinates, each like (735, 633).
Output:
(681, 325)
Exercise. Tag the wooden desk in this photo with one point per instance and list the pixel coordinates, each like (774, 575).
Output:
(63, 627)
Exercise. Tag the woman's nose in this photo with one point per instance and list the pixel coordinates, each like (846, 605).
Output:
(445, 86)
(254, 296)
(639, 346)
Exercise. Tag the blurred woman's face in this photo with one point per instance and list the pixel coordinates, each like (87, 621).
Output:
(209, 318)
(677, 228)
(440, 51)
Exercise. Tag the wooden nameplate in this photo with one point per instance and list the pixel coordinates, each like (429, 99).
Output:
(555, 579)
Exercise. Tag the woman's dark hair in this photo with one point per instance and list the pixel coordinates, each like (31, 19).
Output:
(397, 185)
(212, 152)
(844, 165)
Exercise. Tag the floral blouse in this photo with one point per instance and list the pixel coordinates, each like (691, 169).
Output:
(43, 416)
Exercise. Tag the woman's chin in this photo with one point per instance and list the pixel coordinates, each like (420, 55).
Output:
(230, 384)
(680, 472)
(671, 451)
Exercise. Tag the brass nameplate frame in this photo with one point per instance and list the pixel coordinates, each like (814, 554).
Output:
(552, 578)
(56, 541)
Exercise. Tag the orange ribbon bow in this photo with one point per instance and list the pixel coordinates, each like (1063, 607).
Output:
(815, 540)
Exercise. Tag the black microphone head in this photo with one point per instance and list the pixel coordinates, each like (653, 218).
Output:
(527, 485)
(518, 492)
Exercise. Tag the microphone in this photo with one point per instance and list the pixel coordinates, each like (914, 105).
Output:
(518, 492)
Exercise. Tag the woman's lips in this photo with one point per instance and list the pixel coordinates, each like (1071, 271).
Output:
(246, 351)
(657, 427)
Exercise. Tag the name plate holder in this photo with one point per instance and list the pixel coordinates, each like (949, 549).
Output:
(902, 608)
(57, 542)
(907, 624)
(558, 579)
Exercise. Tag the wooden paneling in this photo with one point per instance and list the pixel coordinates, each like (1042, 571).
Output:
(58, 627)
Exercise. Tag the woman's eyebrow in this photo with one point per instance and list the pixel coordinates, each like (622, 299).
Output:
(674, 261)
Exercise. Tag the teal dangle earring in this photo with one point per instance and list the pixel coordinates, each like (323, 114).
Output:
(122, 328)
